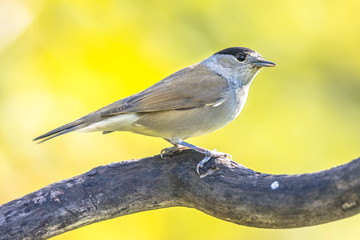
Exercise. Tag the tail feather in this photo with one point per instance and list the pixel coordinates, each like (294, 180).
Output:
(75, 125)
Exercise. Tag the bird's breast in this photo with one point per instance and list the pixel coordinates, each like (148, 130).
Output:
(241, 95)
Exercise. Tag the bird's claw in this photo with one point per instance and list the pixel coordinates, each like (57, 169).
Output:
(208, 156)
(214, 153)
(201, 163)
(171, 150)
(164, 152)
(226, 155)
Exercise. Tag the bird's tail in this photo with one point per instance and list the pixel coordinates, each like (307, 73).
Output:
(73, 126)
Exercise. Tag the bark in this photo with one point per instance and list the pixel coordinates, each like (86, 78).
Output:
(225, 189)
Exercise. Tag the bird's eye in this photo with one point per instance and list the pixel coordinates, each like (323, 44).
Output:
(241, 57)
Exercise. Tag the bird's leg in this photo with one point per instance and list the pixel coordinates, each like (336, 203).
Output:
(212, 153)
(208, 154)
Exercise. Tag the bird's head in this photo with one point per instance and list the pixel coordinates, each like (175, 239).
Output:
(237, 63)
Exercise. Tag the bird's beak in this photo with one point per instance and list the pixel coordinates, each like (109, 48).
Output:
(264, 63)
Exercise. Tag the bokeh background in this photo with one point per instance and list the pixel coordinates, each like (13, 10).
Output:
(60, 59)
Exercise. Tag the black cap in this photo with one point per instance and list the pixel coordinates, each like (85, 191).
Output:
(235, 51)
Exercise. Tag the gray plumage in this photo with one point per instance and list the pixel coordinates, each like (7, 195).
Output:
(193, 101)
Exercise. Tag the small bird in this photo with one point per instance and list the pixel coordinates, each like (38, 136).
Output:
(193, 101)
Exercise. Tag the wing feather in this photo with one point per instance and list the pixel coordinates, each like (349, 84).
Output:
(190, 87)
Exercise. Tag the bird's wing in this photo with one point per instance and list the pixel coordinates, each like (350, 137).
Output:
(190, 87)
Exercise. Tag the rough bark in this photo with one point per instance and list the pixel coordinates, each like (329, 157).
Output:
(225, 190)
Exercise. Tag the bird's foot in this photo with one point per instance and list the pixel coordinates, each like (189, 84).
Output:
(170, 151)
(208, 155)
(180, 145)
(216, 154)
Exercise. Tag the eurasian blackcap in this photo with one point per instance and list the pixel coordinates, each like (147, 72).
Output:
(196, 100)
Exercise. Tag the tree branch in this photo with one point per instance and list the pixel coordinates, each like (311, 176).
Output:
(225, 190)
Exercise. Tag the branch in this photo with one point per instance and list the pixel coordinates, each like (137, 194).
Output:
(225, 190)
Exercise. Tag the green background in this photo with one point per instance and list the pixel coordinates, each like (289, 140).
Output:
(62, 59)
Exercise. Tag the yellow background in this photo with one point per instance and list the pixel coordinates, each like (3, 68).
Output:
(62, 59)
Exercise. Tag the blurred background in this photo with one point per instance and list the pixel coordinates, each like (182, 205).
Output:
(62, 59)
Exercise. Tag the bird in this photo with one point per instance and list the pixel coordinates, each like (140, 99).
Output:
(193, 101)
